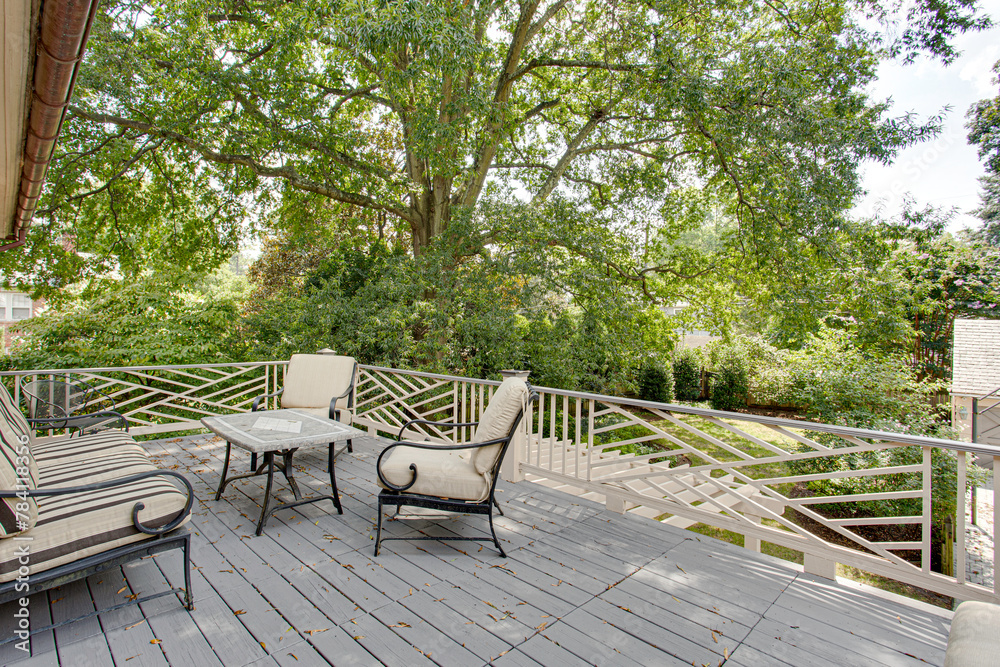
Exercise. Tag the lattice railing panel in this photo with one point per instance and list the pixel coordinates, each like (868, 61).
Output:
(160, 399)
(388, 398)
(752, 475)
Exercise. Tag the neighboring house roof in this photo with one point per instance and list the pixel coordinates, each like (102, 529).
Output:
(41, 47)
(976, 357)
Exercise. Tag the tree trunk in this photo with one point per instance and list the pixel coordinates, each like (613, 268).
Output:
(431, 213)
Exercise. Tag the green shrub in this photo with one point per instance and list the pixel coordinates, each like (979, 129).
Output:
(687, 375)
(656, 382)
(731, 381)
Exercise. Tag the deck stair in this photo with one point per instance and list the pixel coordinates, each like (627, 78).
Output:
(670, 484)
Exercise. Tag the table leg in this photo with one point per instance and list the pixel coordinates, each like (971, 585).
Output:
(333, 480)
(225, 471)
(253, 462)
(289, 473)
(269, 462)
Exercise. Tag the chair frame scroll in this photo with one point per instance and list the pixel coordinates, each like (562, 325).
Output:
(85, 567)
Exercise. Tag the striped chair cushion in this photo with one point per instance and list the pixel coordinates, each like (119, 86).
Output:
(77, 472)
(17, 469)
(13, 416)
(78, 525)
(84, 447)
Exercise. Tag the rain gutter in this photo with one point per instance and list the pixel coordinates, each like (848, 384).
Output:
(64, 26)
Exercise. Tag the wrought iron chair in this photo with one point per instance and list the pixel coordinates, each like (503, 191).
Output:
(74, 405)
(319, 383)
(453, 478)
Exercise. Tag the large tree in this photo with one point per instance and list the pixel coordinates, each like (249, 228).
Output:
(193, 118)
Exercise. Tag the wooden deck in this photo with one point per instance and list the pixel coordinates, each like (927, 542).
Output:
(581, 586)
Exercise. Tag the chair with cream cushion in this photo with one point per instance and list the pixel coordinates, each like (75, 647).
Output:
(455, 478)
(322, 384)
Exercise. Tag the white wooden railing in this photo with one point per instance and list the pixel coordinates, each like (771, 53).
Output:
(728, 470)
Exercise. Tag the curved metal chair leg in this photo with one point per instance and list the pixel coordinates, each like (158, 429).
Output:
(188, 598)
(495, 540)
(378, 531)
(269, 462)
(498, 506)
(333, 480)
(225, 471)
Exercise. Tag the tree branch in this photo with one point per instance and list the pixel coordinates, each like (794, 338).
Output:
(121, 172)
(492, 132)
(535, 63)
(341, 158)
(596, 118)
(544, 18)
(287, 173)
(632, 275)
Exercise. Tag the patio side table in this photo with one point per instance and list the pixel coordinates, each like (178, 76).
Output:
(281, 432)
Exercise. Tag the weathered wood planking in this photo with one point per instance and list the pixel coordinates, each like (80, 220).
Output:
(581, 586)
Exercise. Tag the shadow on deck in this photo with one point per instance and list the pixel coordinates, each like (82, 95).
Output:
(581, 586)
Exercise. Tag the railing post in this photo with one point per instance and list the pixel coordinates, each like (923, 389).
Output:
(510, 467)
(752, 512)
(614, 503)
(821, 567)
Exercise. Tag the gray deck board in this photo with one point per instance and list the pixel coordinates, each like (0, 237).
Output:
(581, 586)
(132, 644)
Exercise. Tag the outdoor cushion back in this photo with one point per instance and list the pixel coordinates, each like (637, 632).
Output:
(10, 414)
(508, 401)
(18, 471)
(312, 380)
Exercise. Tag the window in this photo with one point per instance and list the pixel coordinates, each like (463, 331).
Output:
(14, 306)
(20, 307)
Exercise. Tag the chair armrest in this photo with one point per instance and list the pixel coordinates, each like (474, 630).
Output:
(256, 402)
(68, 422)
(334, 410)
(433, 423)
(425, 445)
(111, 483)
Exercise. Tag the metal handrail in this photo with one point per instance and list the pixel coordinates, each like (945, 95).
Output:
(901, 438)
(849, 431)
(111, 369)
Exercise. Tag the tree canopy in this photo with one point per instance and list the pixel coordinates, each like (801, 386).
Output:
(194, 120)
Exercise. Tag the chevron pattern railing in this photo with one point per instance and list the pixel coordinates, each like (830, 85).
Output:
(750, 474)
(162, 399)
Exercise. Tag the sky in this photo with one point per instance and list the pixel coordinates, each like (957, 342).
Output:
(943, 172)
